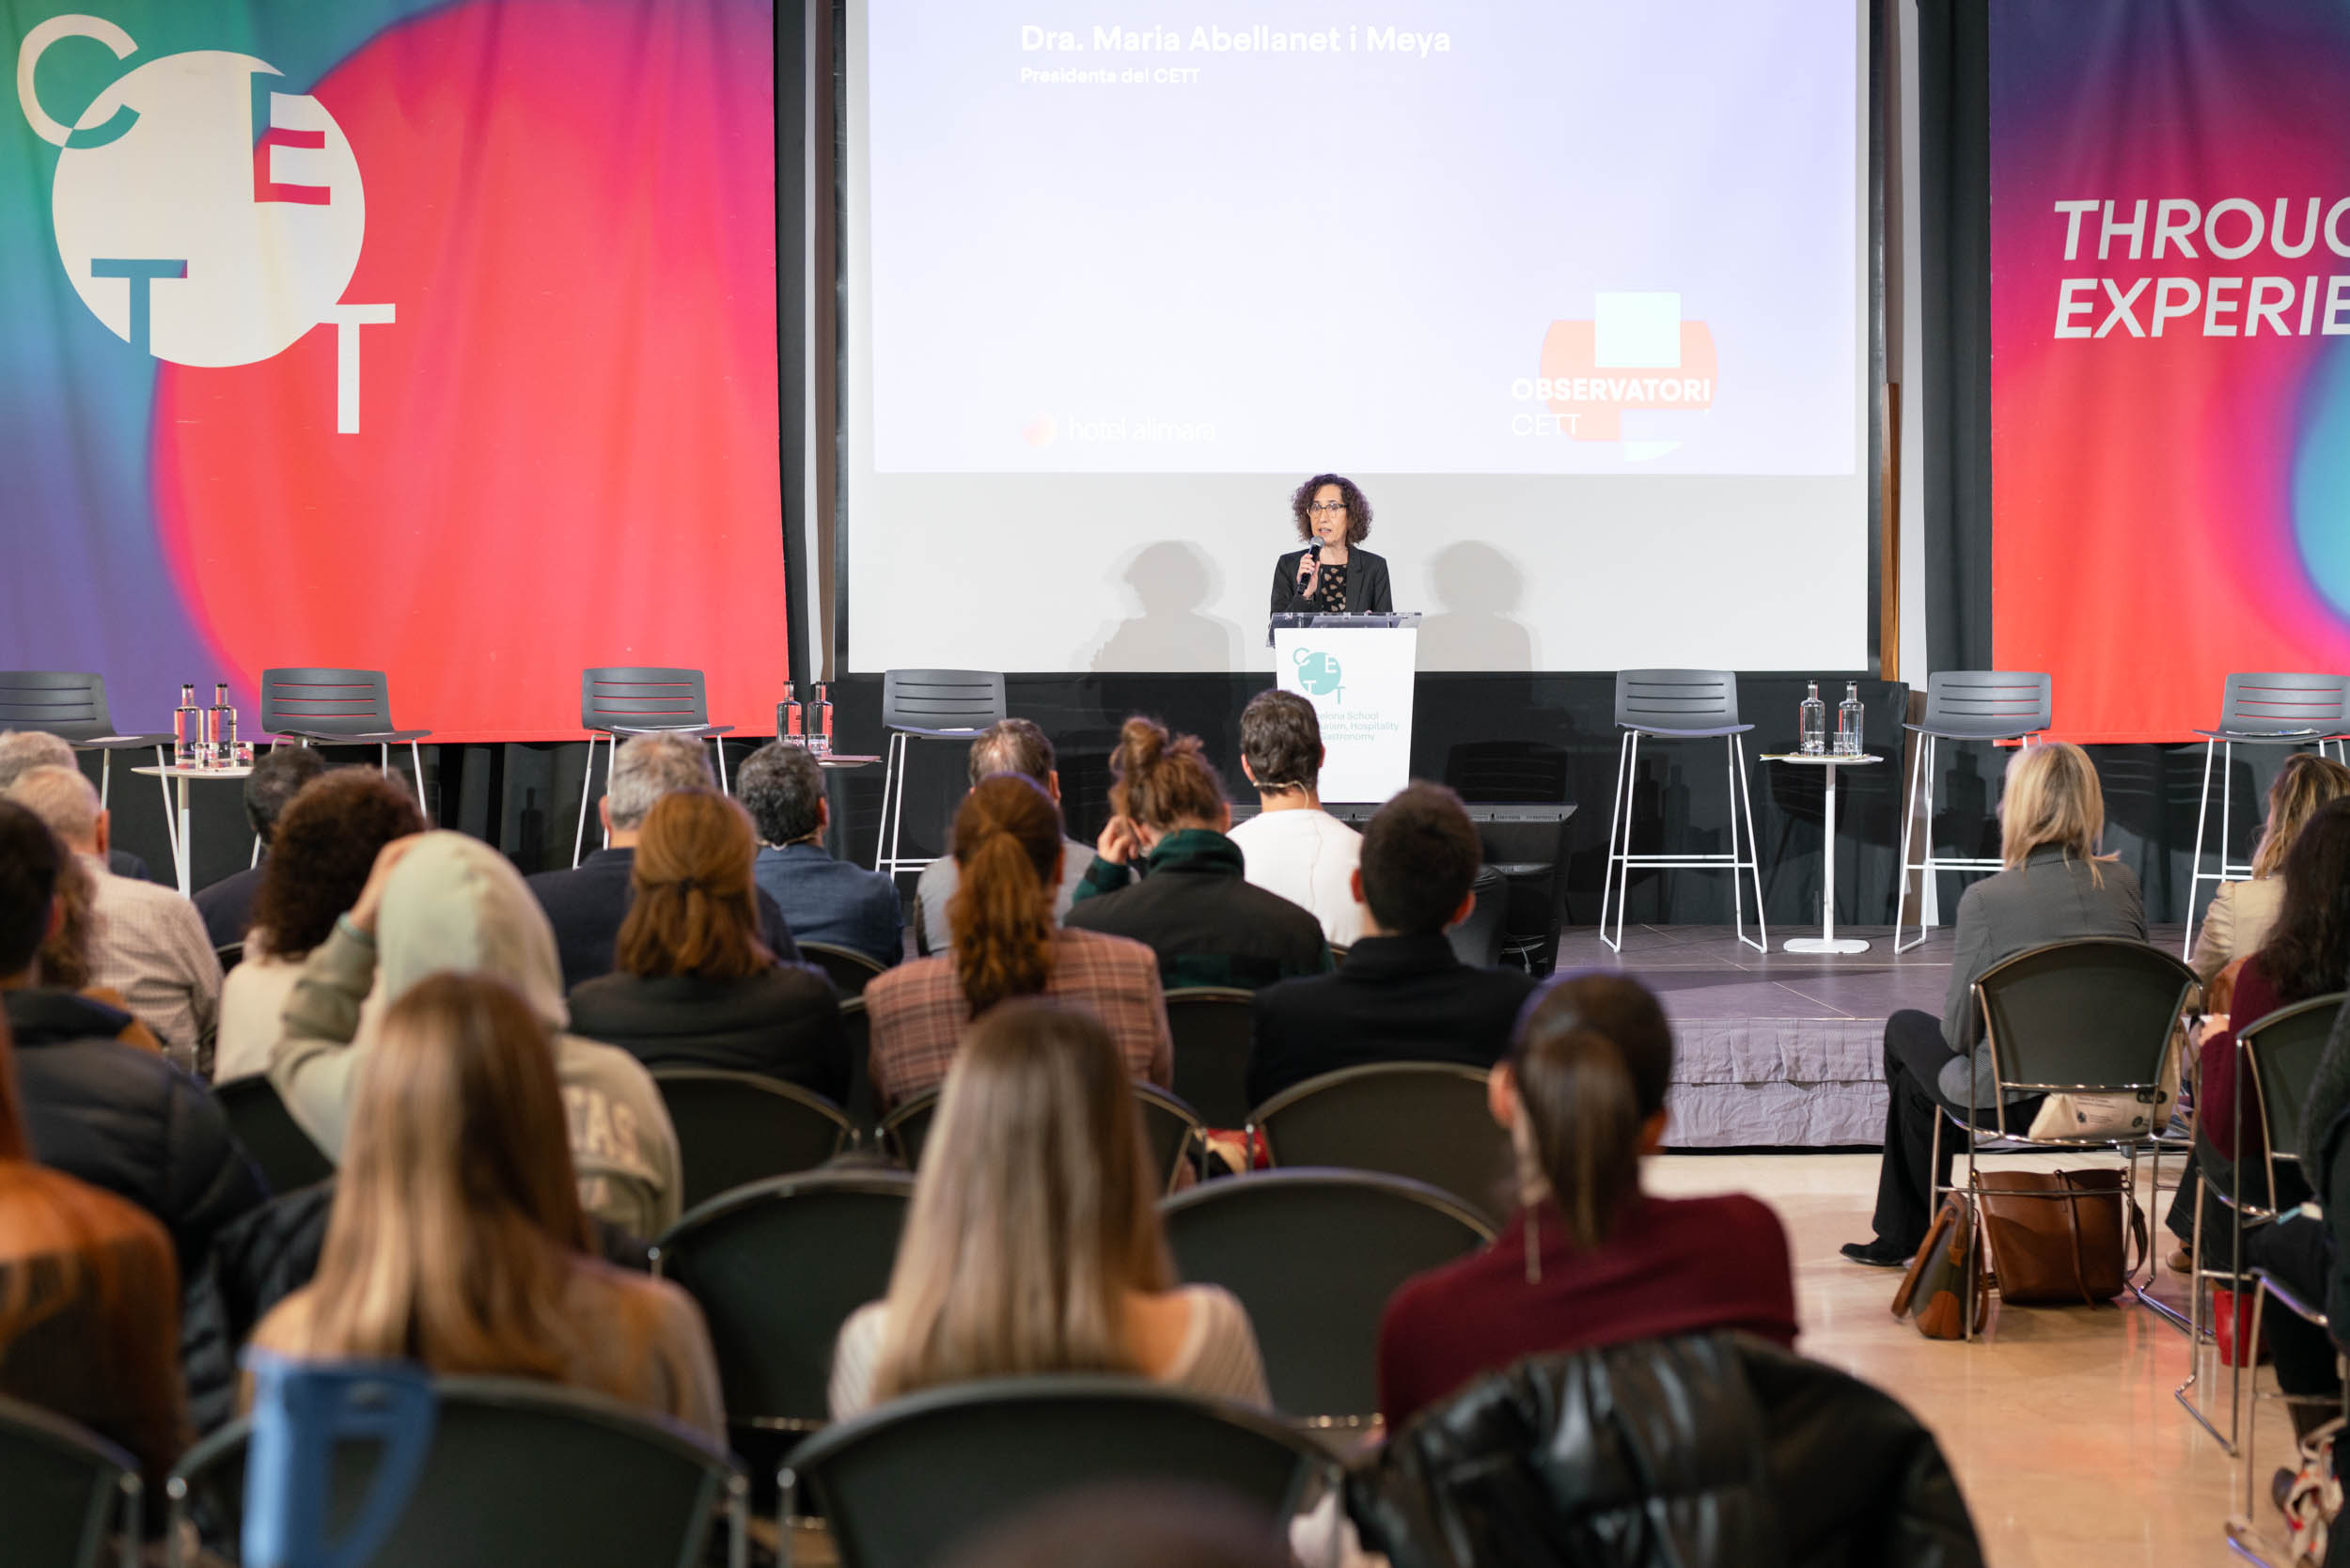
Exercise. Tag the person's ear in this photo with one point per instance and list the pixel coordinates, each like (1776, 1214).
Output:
(1223, 818)
(1355, 886)
(1246, 772)
(824, 813)
(1469, 907)
(1321, 757)
(1501, 1096)
(604, 812)
(102, 834)
(1052, 784)
(1653, 1133)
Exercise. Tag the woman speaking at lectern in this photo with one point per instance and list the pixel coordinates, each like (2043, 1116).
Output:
(1330, 576)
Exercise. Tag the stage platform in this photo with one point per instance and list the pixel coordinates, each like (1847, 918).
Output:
(1778, 1050)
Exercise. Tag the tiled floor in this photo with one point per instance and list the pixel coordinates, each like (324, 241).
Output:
(2062, 1427)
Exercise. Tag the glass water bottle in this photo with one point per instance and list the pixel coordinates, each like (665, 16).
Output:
(220, 729)
(1848, 721)
(1811, 723)
(187, 728)
(820, 723)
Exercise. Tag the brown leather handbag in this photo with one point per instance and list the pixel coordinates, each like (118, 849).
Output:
(1937, 1287)
(2056, 1236)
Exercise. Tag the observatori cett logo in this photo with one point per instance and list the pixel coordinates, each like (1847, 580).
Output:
(204, 218)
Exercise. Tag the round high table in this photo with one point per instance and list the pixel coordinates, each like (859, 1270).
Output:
(182, 847)
(1827, 941)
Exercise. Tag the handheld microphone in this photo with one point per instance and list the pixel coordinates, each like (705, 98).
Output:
(1307, 561)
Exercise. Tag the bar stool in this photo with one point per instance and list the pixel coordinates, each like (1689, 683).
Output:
(1963, 705)
(340, 706)
(1680, 705)
(2259, 710)
(640, 699)
(71, 705)
(929, 705)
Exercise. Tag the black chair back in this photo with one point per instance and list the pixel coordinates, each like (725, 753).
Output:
(631, 697)
(1988, 704)
(847, 969)
(1314, 1255)
(904, 1484)
(325, 702)
(1211, 1025)
(907, 1127)
(1428, 1121)
(2284, 1048)
(69, 704)
(288, 1157)
(1168, 1125)
(63, 1490)
(518, 1472)
(941, 701)
(735, 1128)
(856, 1030)
(776, 1268)
(1669, 701)
(1477, 941)
(230, 954)
(2094, 1013)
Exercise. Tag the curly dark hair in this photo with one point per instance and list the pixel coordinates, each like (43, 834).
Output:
(324, 847)
(1357, 507)
(2308, 950)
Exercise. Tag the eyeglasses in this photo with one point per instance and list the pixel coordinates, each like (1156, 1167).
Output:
(1327, 506)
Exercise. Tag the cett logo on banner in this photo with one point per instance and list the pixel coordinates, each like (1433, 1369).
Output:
(190, 236)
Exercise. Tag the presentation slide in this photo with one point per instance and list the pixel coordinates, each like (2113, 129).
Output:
(1575, 291)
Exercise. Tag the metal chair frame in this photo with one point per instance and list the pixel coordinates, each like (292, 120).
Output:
(1186, 999)
(723, 1481)
(2018, 1142)
(845, 1134)
(1149, 1099)
(2258, 710)
(1404, 1074)
(653, 689)
(832, 958)
(1962, 705)
(2242, 1533)
(113, 1481)
(974, 699)
(376, 689)
(1637, 690)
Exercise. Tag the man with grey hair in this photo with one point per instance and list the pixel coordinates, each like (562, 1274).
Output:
(782, 787)
(146, 943)
(586, 903)
(22, 750)
(1015, 746)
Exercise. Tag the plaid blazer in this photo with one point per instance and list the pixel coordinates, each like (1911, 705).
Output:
(918, 1013)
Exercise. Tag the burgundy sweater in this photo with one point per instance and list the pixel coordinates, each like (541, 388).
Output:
(2256, 996)
(1674, 1266)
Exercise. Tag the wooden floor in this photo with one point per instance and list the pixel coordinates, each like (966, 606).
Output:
(2062, 1427)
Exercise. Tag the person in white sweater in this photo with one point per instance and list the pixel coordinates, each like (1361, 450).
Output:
(1293, 847)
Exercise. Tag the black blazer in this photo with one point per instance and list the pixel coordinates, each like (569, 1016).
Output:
(1367, 590)
(1397, 998)
(586, 903)
(782, 1024)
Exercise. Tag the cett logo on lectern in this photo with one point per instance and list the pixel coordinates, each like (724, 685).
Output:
(204, 218)
(1317, 675)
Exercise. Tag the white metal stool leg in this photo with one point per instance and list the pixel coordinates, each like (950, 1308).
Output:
(415, 761)
(586, 788)
(719, 741)
(1623, 859)
(1615, 820)
(893, 803)
(1754, 853)
(1909, 820)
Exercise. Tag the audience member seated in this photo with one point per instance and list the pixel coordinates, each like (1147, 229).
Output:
(1293, 847)
(693, 985)
(586, 903)
(1033, 1244)
(1404, 995)
(89, 1301)
(1008, 745)
(63, 961)
(325, 845)
(278, 775)
(2307, 1252)
(1007, 844)
(2240, 914)
(822, 899)
(147, 942)
(457, 1237)
(112, 1115)
(2307, 954)
(1193, 904)
(22, 750)
(1589, 1258)
(442, 901)
(2054, 888)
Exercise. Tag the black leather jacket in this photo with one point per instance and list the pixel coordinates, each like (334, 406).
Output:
(1682, 1452)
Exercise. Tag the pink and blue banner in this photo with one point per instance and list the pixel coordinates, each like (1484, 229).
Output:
(2171, 350)
(432, 338)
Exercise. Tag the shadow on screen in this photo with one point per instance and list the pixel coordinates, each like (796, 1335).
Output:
(1478, 588)
(1171, 580)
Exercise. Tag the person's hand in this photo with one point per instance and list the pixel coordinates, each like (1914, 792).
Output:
(1305, 576)
(1118, 842)
(372, 897)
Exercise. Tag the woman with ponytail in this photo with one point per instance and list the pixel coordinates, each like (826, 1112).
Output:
(693, 982)
(1589, 1258)
(1008, 864)
(1193, 904)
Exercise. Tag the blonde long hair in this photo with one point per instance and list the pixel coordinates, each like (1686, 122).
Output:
(2052, 801)
(2306, 782)
(456, 1220)
(1034, 1212)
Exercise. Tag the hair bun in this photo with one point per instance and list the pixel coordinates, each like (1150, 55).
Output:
(1142, 740)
